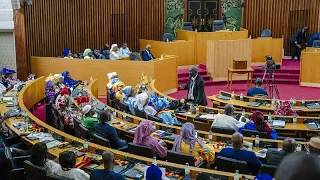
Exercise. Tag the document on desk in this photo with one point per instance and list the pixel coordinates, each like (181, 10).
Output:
(6, 99)
(279, 123)
(208, 116)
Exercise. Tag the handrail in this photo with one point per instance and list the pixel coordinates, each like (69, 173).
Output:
(38, 85)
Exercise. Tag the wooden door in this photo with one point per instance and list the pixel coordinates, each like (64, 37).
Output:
(210, 13)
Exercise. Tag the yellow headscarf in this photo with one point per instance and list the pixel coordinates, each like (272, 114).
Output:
(49, 78)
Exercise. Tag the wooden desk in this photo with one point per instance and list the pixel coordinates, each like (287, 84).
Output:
(28, 94)
(309, 73)
(184, 50)
(311, 49)
(232, 71)
(128, 71)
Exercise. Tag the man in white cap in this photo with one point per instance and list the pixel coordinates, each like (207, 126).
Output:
(111, 76)
(88, 120)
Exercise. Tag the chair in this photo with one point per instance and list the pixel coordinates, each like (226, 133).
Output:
(202, 125)
(167, 36)
(101, 141)
(181, 158)
(55, 177)
(222, 130)
(34, 172)
(297, 139)
(124, 107)
(231, 165)
(268, 169)
(266, 33)
(218, 25)
(154, 118)
(316, 44)
(187, 26)
(139, 113)
(49, 115)
(84, 132)
(55, 118)
(77, 129)
(254, 133)
(140, 150)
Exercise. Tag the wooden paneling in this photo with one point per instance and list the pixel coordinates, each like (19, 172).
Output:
(266, 46)
(309, 73)
(52, 26)
(280, 16)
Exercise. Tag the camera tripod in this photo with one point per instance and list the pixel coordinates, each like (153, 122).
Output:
(272, 84)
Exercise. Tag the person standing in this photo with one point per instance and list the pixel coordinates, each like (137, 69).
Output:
(296, 42)
(195, 87)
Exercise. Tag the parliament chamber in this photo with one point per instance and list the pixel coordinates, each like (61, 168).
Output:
(161, 89)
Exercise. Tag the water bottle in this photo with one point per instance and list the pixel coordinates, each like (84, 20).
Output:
(294, 101)
(197, 109)
(232, 95)
(196, 30)
(241, 97)
(273, 102)
(299, 148)
(165, 97)
(303, 101)
(210, 137)
(91, 79)
(269, 116)
(257, 142)
(154, 126)
(294, 121)
(85, 146)
(168, 40)
(114, 114)
(150, 79)
(243, 112)
(85, 85)
(236, 175)
(1, 97)
(187, 172)
(196, 134)
(124, 116)
(154, 160)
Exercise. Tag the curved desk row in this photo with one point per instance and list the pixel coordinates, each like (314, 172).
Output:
(33, 93)
(298, 130)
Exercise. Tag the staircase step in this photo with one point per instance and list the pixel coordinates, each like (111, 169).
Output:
(279, 75)
(203, 66)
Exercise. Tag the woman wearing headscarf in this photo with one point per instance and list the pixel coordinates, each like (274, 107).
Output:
(63, 104)
(260, 124)
(9, 77)
(67, 53)
(3, 88)
(142, 137)
(50, 91)
(153, 173)
(285, 109)
(114, 52)
(187, 143)
(58, 81)
(129, 98)
(69, 81)
(87, 54)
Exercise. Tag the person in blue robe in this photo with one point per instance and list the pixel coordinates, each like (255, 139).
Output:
(315, 36)
(69, 81)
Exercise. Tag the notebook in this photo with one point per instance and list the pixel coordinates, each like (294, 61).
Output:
(279, 123)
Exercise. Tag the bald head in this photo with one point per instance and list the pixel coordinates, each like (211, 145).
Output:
(237, 140)
(108, 159)
(148, 47)
(289, 145)
(228, 109)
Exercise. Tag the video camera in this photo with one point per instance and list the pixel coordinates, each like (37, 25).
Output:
(270, 64)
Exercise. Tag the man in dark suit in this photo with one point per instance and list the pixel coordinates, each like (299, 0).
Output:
(297, 40)
(195, 87)
(274, 157)
(146, 54)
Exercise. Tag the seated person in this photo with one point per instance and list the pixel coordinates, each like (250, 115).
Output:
(3, 84)
(63, 104)
(124, 92)
(113, 77)
(142, 137)
(106, 131)
(154, 173)
(274, 157)
(313, 37)
(187, 143)
(39, 157)
(285, 109)
(69, 81)
(88, 120)
(298, 166)
(226, 120)
(257, 90)
(261, 125)
(134, 56)
(124, 51)
(143, 104)
(107, 172)
(105, 51)
(67, 53)
(98, 55)
(130, 98)
(203, 176)
(50, 91)
(67, 160)
(236, 152)
(114, 52)
(313, 147)
(146, 54)
(87, 54)
(9, 77)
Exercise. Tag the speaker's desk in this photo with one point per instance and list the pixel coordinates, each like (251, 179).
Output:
(165, 71)
(309, 69)
(184, 50)
(232, 71)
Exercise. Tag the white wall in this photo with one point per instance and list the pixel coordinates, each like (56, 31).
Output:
(7, 46)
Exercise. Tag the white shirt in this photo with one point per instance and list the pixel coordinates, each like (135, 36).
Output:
(226, 121)
(74, 173)
(114, 55)
(51, 167)
(149, 110)
(88, 57)
(124, 52)
(2, 88)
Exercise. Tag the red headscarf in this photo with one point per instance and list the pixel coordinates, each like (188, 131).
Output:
(285, 109)
(260, 122)
(64, 91)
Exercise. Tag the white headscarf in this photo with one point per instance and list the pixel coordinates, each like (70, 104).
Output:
(86, 52)
(86, 109)
(141, 100)
(113, 46)
(112, 75)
